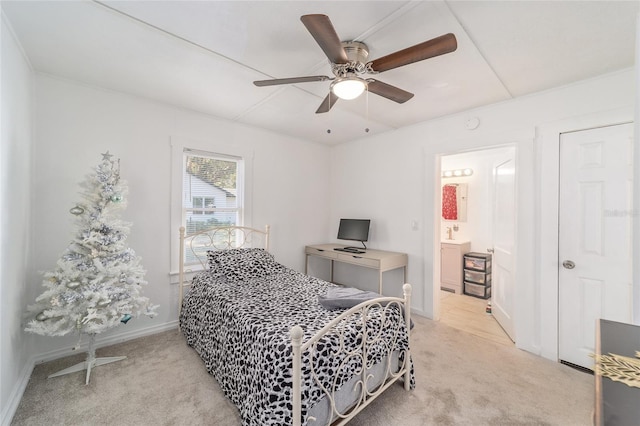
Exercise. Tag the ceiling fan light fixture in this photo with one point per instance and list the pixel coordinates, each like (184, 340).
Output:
(348, 88)
(350, 64)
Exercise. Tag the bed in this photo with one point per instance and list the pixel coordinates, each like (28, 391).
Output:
(285, 347)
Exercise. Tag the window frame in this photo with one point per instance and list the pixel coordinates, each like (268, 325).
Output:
(244, 192)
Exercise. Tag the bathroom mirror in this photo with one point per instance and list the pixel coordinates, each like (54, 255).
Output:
(454, 202)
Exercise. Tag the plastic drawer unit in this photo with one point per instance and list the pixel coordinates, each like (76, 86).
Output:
(477, 275)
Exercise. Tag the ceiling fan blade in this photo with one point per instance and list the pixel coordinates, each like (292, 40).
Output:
(325, 35)
(388, 91)
(438, 46)
(292, 80)
(328, 102)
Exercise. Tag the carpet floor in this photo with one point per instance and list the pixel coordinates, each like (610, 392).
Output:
(461, 379)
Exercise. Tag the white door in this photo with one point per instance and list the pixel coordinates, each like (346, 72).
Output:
(595, 216)
(504, 239)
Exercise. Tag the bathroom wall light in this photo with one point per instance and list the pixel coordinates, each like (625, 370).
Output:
(457, 173)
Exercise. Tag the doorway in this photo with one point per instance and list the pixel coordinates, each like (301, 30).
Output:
(469, 314)
(488, 176)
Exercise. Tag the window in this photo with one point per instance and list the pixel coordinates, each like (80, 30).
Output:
(209, 191)
(211, 185)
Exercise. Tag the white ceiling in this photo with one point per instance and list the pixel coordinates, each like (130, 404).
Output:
(204, 55)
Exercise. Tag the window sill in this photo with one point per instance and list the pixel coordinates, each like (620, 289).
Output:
(174, 277)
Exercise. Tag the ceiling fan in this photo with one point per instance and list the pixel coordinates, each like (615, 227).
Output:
(350, 67)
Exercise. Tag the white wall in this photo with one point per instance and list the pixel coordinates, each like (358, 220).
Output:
(15, 190)
(406, 163)
(636, 178)
(75, 124)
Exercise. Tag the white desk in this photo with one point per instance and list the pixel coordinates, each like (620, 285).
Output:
(375, 259)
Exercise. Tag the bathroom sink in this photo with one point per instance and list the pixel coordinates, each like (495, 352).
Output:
(454, 241)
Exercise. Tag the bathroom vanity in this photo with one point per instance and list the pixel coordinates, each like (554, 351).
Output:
(451, 264)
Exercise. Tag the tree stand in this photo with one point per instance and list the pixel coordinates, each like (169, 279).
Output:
(91, 362)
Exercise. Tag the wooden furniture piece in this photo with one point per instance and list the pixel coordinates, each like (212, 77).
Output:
(477, 275)
(616, 404)
(451, 253)
(285, 317)
(376, 259)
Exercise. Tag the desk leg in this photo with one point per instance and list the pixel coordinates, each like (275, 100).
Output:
(306, 264)
(404, 278)
(331, 271)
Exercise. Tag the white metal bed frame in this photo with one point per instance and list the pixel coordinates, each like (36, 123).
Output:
(219, 238)
(228, 237)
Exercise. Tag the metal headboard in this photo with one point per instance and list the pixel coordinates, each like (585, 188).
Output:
(195, 246)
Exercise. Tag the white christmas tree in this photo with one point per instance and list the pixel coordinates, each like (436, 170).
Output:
(98, 280)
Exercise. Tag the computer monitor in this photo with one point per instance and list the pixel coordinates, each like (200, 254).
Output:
(354, 230)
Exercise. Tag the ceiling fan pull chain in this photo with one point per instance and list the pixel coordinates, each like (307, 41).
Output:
(366, 100)
(329, 117)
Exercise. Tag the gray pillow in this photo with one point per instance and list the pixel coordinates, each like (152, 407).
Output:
(345, 297)
(348, 297)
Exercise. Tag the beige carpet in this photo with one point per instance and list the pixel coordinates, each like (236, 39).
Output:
(461, 380)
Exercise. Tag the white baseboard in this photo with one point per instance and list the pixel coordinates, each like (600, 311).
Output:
(102, 341)
(16, 395)
(418, 312)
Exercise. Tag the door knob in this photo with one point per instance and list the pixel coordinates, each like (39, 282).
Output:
(490, 250)
(568, 264)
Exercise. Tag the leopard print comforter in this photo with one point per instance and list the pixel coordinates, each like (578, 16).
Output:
(240, 329)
